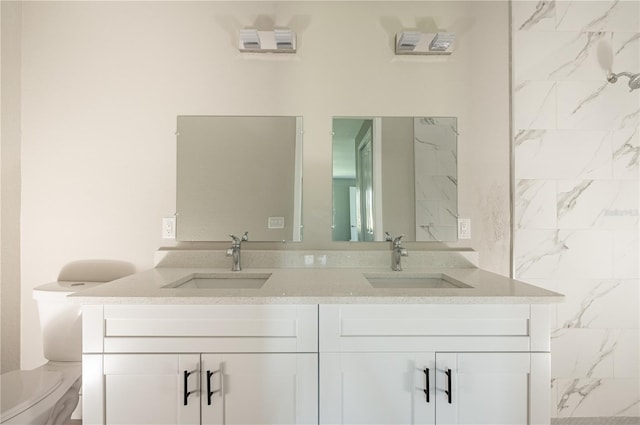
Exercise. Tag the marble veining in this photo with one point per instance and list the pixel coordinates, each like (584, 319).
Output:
(538, 108)
(573, 64)
(579, 388)
(627, 43)
(595, 22)
(579, 15)
(535, 204)
(628, 152)
(546, 249)
(544, 10)
(626, 145)
(590, 98)
(563, 154)
(596, 294)
(567, 200)
(599, 304)
(607, 204)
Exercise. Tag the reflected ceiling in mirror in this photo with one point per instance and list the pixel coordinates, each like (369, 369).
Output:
(396, 175)
(237, 174)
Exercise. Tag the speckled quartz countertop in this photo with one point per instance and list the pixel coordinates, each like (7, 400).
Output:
(315, 285)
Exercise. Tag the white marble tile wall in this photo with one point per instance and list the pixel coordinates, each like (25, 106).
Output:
(576, 149)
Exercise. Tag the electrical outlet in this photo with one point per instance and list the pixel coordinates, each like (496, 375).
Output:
(169, 228)
(275, 223)
(464, 228)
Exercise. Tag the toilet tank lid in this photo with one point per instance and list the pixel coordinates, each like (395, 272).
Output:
(21, 389)
(61, 289)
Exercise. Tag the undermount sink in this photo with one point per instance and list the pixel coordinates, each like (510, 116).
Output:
(224, 281)
(430, 281)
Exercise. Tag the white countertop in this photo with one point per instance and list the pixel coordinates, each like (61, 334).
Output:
(315, 286)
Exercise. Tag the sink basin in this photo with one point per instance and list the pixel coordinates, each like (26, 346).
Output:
(431, 281)
(225, 281)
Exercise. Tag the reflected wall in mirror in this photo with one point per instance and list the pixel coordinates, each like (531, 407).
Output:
(237, 174)
(396, 175)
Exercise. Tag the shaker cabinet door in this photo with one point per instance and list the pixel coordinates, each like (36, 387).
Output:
(150, 389)
(377, 388)
(483, 388)
(279, 388)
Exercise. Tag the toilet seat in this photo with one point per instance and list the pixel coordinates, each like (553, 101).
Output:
(27, 392)
(27, 387)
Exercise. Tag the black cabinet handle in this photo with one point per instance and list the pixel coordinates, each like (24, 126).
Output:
(426, 383)
(186, 383)
(209, 392)
(449, 391)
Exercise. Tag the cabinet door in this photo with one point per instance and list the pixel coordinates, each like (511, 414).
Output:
(483, 388)
(259, 389)
(377, 388)
(150, 389)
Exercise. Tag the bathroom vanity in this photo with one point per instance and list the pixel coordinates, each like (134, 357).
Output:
(310, 345)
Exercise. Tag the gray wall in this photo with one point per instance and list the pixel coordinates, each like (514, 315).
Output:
(10, 73)
(233, 174)
(398, 182)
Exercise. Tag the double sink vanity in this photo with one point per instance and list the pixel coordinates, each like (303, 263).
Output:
(324, 337)
(316, 337)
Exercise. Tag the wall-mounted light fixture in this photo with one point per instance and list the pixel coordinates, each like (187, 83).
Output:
(420, 43)
(281, 40)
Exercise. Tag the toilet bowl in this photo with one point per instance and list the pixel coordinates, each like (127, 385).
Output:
(47, 395)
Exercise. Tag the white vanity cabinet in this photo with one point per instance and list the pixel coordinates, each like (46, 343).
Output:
(434, 364)
(329, 364)
(200, 364)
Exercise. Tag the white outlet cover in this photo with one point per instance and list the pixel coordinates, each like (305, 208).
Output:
(169, 228)
(276, 223)
(464, 228)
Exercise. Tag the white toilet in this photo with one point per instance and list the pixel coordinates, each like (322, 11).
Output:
(49, 394)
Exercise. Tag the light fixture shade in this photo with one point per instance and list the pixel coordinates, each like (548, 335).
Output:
(407, 41)
(442, 42)
(249, 39)
(419, 43)
(284, 39)
(281, 40)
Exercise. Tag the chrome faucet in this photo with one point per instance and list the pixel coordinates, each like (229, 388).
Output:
(397, 251)
(234, 251)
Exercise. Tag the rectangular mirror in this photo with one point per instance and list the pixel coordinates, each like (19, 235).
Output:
(396, 175)
(237, 174)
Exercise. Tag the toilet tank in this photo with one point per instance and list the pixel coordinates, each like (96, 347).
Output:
(60, 320)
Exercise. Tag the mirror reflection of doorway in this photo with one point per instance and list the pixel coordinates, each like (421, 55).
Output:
(395, 174)
(352, 179)
(364, 184)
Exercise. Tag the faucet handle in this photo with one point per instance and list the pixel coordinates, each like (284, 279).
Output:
(396, 241)
(237, 240)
